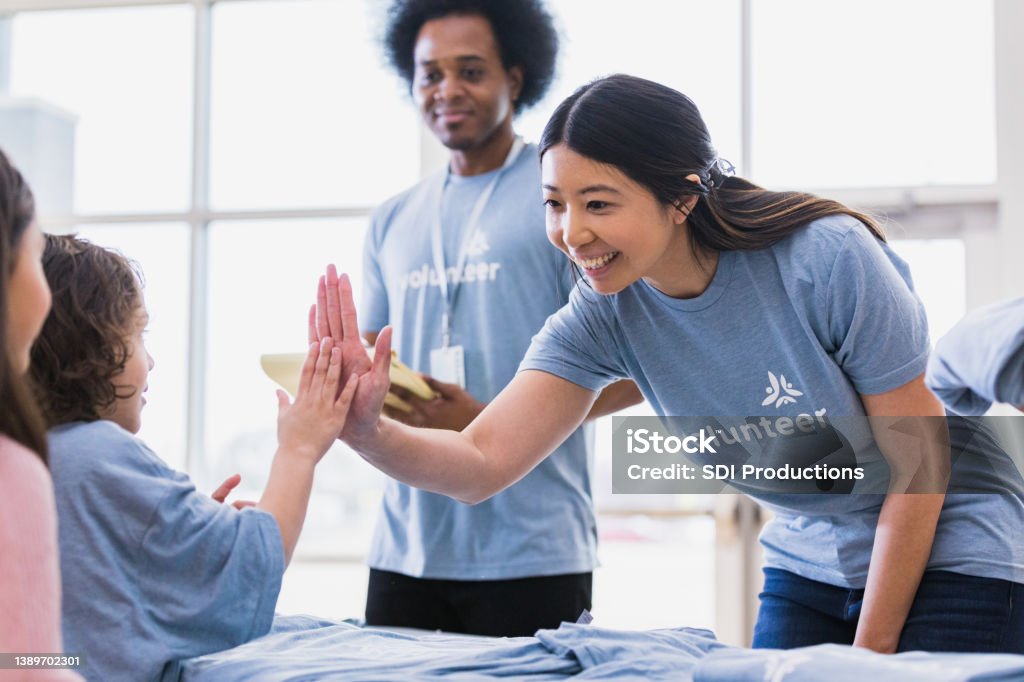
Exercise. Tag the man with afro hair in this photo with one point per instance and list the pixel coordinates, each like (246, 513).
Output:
(460, 266)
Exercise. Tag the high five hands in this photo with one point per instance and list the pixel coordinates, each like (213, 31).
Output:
(334, 316)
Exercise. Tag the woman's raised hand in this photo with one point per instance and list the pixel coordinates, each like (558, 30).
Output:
(334, 316)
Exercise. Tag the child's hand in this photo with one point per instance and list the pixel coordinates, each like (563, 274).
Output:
(308, 427)
(225, 488)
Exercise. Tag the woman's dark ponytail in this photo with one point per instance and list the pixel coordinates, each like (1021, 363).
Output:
(656, 136)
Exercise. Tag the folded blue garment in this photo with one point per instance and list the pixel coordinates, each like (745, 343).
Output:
(837, 663)
(341, 651)
(305, 648)
(981, 360)
(604, 654)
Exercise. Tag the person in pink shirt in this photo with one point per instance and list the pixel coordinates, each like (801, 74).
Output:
(29, 566)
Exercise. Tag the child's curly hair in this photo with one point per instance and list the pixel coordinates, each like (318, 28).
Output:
(97, 300)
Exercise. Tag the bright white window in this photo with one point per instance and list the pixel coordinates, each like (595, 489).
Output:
(873, 93)
(303, 112)
(938, 267)
(262, 281)
(161, 251)
(690, 45)
(125, 76)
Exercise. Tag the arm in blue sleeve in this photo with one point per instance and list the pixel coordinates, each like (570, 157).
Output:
(576, 344)
(210, 573)
(877, 323)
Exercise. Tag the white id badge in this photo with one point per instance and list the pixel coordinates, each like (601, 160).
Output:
(449, 365)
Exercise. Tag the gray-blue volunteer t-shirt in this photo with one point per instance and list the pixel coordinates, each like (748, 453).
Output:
(981, 360)
(152, 570)
(512, 281)
(830, 308)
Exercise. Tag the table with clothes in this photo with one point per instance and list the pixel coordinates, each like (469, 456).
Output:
(305, 648)
(979, 362)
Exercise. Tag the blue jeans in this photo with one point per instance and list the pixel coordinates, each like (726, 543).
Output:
(951, 612)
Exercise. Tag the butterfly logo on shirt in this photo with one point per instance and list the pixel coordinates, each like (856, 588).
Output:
(780, 391)
(478, 245)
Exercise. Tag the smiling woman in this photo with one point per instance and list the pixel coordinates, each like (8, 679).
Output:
(689, 260)
(660, 176)
(614, 229)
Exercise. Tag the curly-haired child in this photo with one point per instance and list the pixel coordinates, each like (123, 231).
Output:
(154, 571)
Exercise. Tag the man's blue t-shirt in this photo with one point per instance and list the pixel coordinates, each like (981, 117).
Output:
(832, 309)
(981, 360)
(153, 571)
(512, 281)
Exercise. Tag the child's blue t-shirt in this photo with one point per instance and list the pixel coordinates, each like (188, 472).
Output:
(830, 308)
(981, 360)
(152, 570)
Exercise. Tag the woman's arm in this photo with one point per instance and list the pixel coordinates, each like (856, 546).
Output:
(525, 423)
(918, 454)
(457, 408)
(531, 417)
(615, 397)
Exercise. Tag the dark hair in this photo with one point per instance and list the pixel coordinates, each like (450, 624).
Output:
(656, 136)
(19, 415)
(97, 298)
(524, 31)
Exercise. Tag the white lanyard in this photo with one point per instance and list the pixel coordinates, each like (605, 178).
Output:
(437, 239)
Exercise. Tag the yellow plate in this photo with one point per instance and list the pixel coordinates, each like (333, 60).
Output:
(284, 369)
